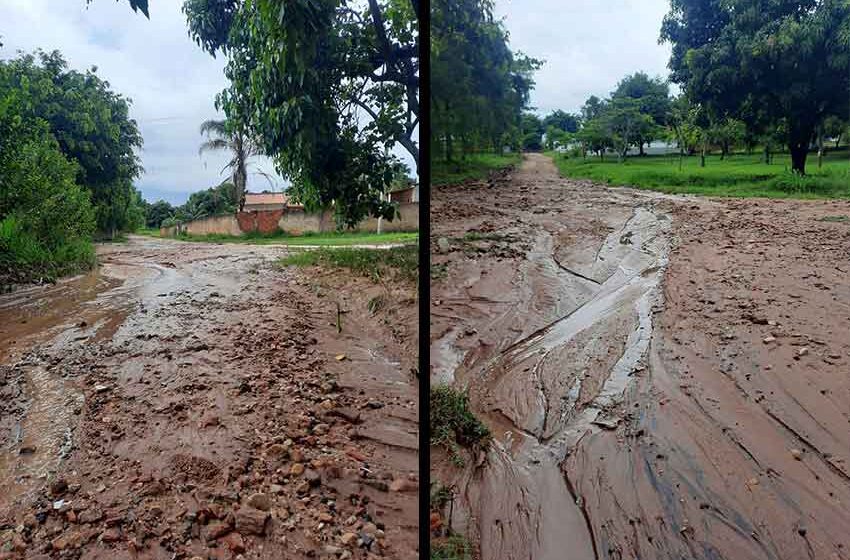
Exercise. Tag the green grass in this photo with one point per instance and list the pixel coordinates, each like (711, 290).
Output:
(396, 263)
(452, 422)
(455, 547)
(473, 166)
(149, 232)
(319, 239)
(739, 175)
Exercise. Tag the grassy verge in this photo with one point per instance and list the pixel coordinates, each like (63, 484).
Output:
(473, 166)
(320, 239)
(739, 175)
(24, 259)
(452, 422)
(395, 263)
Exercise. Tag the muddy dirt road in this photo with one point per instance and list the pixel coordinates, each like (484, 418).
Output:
(193, 400)
(664, 377)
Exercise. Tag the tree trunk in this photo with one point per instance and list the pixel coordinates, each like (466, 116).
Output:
(702, 156)
(838, 141)
(767, 154)
(798, 158)
(641, 149)
(448, 147)
(799, 139)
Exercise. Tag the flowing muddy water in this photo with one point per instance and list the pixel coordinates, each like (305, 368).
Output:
(613, 342)
(178, 399)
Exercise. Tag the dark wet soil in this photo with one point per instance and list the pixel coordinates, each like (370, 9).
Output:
(192, 400)
(664, 377)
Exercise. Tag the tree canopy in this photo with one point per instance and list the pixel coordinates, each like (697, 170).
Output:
(92, 127)
(479, 87)
(328, 87)
(767, 64)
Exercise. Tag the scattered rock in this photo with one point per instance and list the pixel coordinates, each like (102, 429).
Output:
(313, 478)
(260, 501)
(58, 487)
(234, 542)
(797, 454)
(218, 529)
(250, 521)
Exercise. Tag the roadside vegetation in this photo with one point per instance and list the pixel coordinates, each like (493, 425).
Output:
(455, 547)
(736, 175)
(396, 263)
(67, 164)
(479, 88)
(452, 423)
(471, 167)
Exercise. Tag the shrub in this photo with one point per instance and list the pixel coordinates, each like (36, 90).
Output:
(452, 422)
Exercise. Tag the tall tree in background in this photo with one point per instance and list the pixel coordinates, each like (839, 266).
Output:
(303, 75)
(765, 63)
(562, 121)
(241, 147)
(479, 87)
(92, 126)
(652, 98)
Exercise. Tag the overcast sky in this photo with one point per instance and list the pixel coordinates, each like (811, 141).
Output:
(171, 81)
(588, 45)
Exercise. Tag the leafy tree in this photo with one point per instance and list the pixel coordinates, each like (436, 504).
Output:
(92, 125)
(158, 212)
(652, 98)
(302, 77)
(766, 63)
(726, 133)
(562, 121)
(479, 87)
(46, 218)
(532, 132)
(595, 138)
(592, 108)
(222, 136)
(626, 125)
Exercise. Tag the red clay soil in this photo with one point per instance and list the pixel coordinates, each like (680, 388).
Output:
(702, 416)
(194, 401)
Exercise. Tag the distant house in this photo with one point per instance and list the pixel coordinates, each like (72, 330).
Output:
(406, 195)
(267, 201)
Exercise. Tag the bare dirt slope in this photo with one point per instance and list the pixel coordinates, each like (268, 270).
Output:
(191, 400)
(664, 377)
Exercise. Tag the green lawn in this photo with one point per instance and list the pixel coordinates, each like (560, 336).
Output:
(320, 239)
(396, 262)
(739, 175)
(473, 166)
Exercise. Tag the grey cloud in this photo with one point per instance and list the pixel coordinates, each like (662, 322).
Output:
(588, 45)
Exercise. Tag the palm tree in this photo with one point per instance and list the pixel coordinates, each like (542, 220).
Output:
(219, 137)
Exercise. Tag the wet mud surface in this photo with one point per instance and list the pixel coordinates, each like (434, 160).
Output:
(664, 377)
(194, 401)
